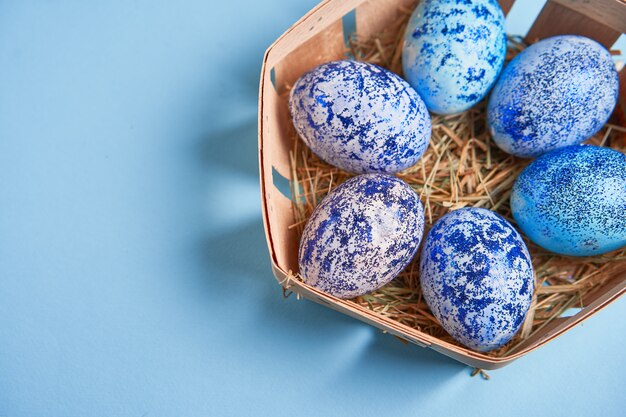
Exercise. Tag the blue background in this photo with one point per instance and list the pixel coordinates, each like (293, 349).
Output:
(134, 276)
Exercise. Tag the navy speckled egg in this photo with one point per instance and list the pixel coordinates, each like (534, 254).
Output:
(453, 52)
(557, 92)
(572, 201)
(361, 235)
(477, 277)
(360, 117)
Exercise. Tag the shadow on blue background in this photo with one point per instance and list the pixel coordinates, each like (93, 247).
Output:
(134, 274)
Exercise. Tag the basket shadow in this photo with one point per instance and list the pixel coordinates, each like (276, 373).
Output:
(233, 149)
(407, 362)
(241, 257)
(239, 252)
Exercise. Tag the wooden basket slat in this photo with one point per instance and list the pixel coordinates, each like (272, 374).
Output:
(506, 5)
(309, 55)
(556, 19)
(278, 213)
(372, 16)
(311, 24)
(611, 13)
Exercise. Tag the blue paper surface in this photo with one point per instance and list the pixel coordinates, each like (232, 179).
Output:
(134, 275)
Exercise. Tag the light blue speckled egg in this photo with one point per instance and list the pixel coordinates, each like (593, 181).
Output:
(361, 235)
(360, 117)
(557, 92)
(477, 278)
(453, 52)
(572, 201)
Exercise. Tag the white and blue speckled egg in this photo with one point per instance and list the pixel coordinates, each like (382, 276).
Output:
(453, 52)
(557, 92)
(477, 278)
(360, 117)
(361, 235)
(572, 201)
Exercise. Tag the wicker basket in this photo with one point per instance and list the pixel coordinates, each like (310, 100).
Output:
(319, 37)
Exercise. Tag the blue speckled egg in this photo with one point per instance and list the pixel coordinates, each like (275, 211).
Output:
(361, 235)
(477, 277)
(360, 117)
(572, 201)
(453, 52)
(557, 92)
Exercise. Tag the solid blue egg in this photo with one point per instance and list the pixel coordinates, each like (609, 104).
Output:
(572, 201)
(555, 93)
(361, 235)
(453, 52)
(360, 117)
(477, 277)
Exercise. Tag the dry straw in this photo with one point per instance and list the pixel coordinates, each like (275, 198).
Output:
(461, 168)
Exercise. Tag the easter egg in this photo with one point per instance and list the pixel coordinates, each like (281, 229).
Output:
(360, 117)
(477, 278)
(453, 52)
(555, 93)
(572, 200)
(361, 235)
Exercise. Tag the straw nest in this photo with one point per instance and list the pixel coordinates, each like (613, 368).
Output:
(462, 167)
